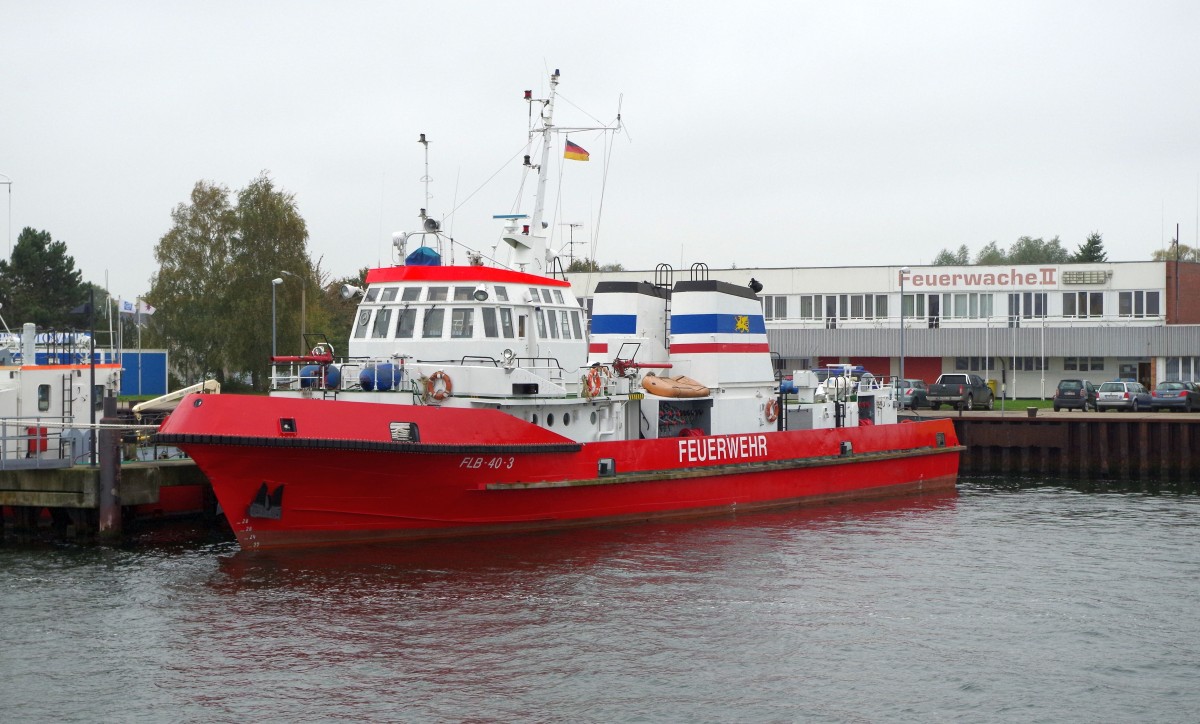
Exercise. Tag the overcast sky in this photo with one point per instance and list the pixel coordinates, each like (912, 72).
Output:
(757, 134)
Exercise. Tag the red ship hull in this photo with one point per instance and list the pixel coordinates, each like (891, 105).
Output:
(302, 472)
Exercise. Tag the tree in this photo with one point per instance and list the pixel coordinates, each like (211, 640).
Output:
(1028, 250)
(213, 287)
(582, 265)
(192, 286)
(338, 312)
(991, 255)
(1186, 253)
(272, 237)
(40, 284)
(1091, 250)
(614, 267)
(945, 257)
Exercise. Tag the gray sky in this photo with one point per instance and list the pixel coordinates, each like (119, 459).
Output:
(759, 134)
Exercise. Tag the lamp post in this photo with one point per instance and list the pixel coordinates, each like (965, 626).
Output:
(303, 317)
(904, 271)
(274, 283)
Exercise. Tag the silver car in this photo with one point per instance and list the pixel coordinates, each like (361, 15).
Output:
(1123, 395)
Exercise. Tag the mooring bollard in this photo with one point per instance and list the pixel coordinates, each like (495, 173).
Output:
(1031, 411)
(109, 454)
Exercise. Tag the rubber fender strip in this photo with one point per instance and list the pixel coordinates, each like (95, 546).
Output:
(364, 445)
(645, 476)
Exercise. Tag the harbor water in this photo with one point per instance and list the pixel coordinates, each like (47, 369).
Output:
(1008, 602)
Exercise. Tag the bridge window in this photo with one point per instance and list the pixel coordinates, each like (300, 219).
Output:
(364, 322)
(489, 322)
(553, 324)
(566, 331)
(463, 294)
(43, 398)
(389, 294)
(462, 322)
(558, 297)
(575, 326)
(406, 323)
(410, 294)
(506, 322)
(433, 323)
(383, 319)
(501, 294)
(437, 294)
(372, 294)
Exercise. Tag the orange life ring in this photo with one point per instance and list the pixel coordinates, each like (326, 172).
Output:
(594, 384)
(771, 410)
(439, 386)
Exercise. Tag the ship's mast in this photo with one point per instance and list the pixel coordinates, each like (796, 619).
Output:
(547, 131)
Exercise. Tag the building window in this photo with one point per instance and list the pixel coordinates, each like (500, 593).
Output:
(775, 307)
(1138, 304)
(856, 306)
(810, 306)
(974, 364)
(1083, 364)
(881, 306)
(1029, 364)
(1183, 368)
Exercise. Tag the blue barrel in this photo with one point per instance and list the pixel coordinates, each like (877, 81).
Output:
(333, 376)
(387, 376)
(366, 378)
(309, 374)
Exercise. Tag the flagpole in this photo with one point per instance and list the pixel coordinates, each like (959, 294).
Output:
(140, 360)
(92, 365)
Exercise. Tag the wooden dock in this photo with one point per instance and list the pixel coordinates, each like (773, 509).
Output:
(1071, 445)
(69, 499)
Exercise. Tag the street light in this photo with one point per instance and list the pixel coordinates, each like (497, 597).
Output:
(904, 271)
(274, 283)
(303, 289)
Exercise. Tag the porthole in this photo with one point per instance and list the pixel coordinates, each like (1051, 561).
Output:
(566, 419)
(550, 420)
(593, 417)
(534, 418)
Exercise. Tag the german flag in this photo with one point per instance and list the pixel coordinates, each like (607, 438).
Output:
(574, 152)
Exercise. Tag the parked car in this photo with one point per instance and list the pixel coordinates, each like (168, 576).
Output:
(1123, 395)
(1075, 395)
(1172, 395)
(965, 392)
(912, 394)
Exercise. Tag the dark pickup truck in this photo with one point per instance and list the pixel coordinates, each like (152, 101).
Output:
(965, 392)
